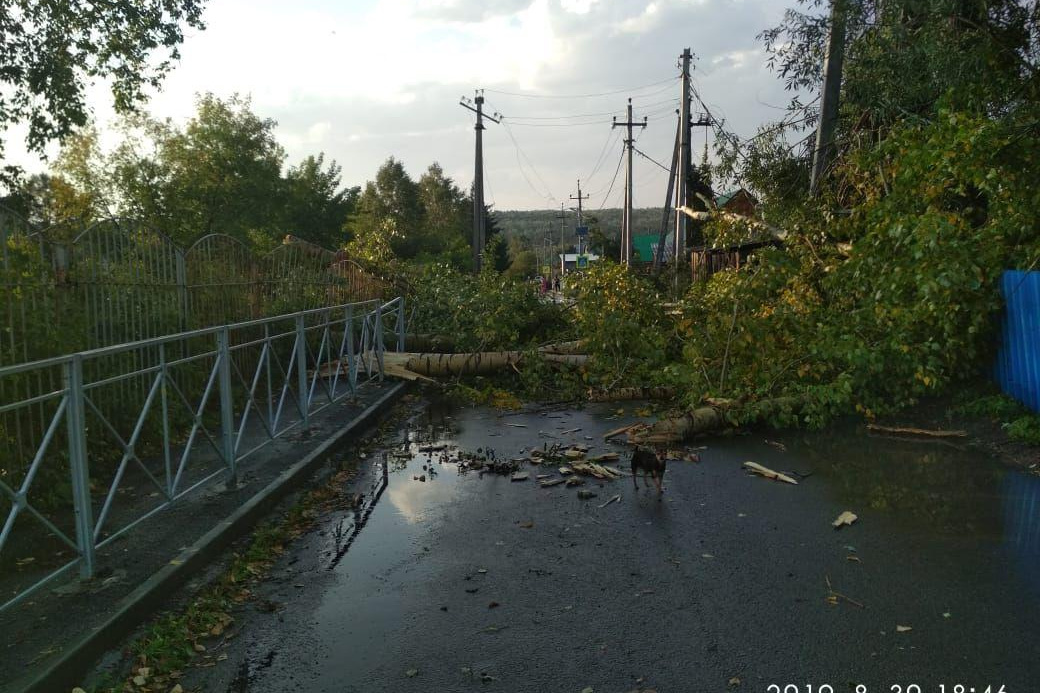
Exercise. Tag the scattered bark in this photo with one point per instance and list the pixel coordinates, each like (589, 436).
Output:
(576, 346)
(620, 394)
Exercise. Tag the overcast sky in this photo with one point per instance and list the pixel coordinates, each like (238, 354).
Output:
(367, 79)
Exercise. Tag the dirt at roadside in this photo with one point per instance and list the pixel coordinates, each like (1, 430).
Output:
(984, 433)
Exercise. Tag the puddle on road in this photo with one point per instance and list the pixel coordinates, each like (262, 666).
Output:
(923, 488)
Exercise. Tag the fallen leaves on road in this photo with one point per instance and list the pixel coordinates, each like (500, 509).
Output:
(411, 673)
(903, 629)
(846, 518)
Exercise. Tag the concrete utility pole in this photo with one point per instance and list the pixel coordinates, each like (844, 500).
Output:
(579, 198)
(561, 216)
(659, 255)
(682, 196)
(832, 68)
(626, 219)
(479, 226)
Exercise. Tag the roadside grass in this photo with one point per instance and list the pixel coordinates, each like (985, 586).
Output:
(1015, 418)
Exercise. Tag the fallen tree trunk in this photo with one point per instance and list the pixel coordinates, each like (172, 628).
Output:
(620, 394)
(709, 418)
(433, 365)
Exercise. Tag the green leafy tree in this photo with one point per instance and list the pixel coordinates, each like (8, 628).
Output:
(51, 51)
(444, 218)
(390, 206)
(317, 206)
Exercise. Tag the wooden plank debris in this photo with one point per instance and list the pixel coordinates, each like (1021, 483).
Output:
(768, 473)
(896, 430)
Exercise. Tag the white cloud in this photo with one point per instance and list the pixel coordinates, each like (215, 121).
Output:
(370, 79)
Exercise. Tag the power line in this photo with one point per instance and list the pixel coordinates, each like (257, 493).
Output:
(581, 96)
(647, 156)
(588, 115)
(611, 138)
(612, 181)
(520, 153)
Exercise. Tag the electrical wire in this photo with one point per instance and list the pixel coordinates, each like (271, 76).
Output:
(650, 158)
(612, 136)
(591, 115)
(612, 181)
(520, 153)
(580, 96)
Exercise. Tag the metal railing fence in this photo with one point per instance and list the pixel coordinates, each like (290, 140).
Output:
(132, 428)
(68, 288)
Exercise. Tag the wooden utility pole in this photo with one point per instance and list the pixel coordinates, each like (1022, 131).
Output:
(626, 219)
(479, 224)
(832, 68)
(579, 198)
(682, 196)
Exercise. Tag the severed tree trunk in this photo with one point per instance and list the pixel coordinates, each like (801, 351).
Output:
(707, 419)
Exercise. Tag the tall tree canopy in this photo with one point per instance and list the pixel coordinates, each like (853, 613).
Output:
(51, 51)
(222, 172)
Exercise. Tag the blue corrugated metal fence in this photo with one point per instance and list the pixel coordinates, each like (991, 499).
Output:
(1018, 362)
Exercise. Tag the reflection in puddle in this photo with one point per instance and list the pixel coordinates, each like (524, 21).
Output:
(935, 487)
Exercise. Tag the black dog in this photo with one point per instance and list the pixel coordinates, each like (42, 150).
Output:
(651, 462)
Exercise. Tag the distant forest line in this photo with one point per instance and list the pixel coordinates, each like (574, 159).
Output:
(533, 224)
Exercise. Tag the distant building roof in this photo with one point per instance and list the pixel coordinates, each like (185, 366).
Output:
(724, 199)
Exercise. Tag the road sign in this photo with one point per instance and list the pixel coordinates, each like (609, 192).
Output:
(583, 262)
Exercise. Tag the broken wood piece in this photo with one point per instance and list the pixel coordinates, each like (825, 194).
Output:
(896, 430)
(846, 518)
(517, 425)
(566, 470)
(573, 454)
(619, 431)
(768, 473)
(520, 476)
(548, 483)
(571, 430)
(395, 371)
(605, 457)
(615, 499)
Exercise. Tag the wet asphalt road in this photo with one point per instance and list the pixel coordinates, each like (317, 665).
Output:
(720, 586)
